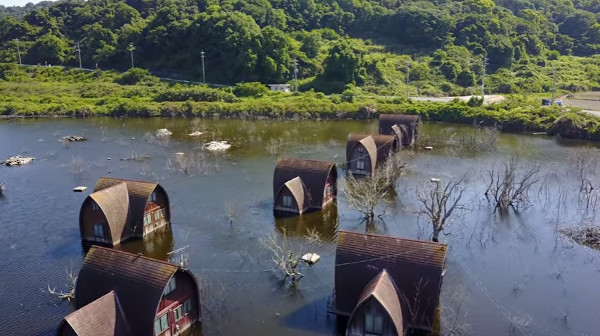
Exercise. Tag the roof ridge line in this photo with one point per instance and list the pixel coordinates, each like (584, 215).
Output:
(139, 255)
(392, 237)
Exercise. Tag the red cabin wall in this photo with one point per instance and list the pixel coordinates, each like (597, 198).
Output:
(185, 288)
(330, 191)
(152, 209)
(88, 217)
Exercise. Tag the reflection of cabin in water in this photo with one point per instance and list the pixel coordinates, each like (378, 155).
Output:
(386, 285)
(300, 185)
(365, 153)
(403, 126)
(124, 294)
(121, 209)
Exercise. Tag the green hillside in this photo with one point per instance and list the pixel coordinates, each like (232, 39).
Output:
(359, 45)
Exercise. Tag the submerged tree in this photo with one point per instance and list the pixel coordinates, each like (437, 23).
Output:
(287, 253)
(365, 194)
(508, 185)
(584, 162)
(439, 202)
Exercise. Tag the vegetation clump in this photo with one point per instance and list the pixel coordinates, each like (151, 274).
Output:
(586, 236)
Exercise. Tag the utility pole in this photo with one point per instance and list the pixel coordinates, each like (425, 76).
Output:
(18, 52)
(79, 54)
(553, 83)
(296, 74)
(407, 78)
(203, 74)
(485, 63)
(131, 48)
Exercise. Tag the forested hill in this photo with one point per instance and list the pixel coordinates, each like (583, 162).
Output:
(335, 42)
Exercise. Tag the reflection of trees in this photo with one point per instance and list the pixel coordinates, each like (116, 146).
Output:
(323, 222)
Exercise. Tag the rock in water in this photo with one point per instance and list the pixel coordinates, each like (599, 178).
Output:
(218, 146)
(17, 161)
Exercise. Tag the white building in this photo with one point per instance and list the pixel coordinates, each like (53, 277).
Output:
(280, 87)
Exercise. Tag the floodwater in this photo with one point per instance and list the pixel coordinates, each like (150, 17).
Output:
(506, 275)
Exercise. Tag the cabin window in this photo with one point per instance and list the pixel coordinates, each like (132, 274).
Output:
(360, 164)
(373, 324)
(188, 306)
(148, 218)
(153, 196)
(170, 286)
(360, 149)
(287, 201)
(99, 230)
(95, 206)
(178, 313)
(160, 214)
(161, 324)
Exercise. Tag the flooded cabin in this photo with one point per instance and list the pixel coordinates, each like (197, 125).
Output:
(149, 297)
(103, 316)
(379, 280)
(378, 311)
(120, 209)
(365, 153)
(301, 185)
(403, 126)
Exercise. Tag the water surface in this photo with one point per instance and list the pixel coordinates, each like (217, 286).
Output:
(514, 274)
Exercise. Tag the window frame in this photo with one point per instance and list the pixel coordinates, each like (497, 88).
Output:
(287, 201)
(170, 287)
(162, 328)
(178, 313)
(376, 324)
(99, 228)
(188, 306)
(360, 164)
(95, 206)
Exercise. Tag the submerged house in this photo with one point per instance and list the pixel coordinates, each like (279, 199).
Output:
(403, 126)
(120, 209)
(365, 153)
(300, 185)
(124, 294)
(387, 285)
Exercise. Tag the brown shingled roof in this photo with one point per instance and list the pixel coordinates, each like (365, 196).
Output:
(383, 289)
(312, 172)
(139, 193)
(102, 317)
(410, 263)
(114, 202)
(384, 145)
(138, 280)
(409, 123)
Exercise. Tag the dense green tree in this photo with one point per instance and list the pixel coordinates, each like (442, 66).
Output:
(49, 49)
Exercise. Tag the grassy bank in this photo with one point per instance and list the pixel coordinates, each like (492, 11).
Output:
(54, 91)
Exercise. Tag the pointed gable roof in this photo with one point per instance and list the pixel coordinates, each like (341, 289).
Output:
(114, 203)
(313, 174)
(296, 187)
(102, 317)
(383, 289)
(138, 280)
(414, 266)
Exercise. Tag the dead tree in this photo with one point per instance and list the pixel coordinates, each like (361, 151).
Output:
(439, 201)
(584, 162)
(69, 293)
(287, 254)
(508, 186)
(364, 194)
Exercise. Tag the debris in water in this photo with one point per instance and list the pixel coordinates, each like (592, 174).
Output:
(429, 148)
(588, 236)
(79, 189)
(218, 146)
(2, 189)
(311, 258)
(197, 133)
(17, 160)
(163, 133)
(434, 179)
(72, 138)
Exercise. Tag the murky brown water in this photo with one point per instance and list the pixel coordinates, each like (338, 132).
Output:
(516, 276)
